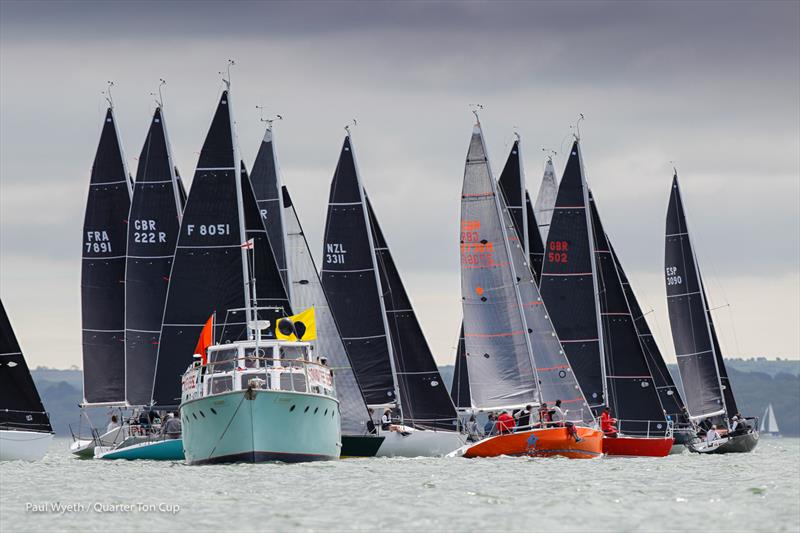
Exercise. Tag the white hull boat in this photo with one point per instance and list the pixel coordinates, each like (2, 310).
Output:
(403, 441)
(84, 448)
(18, 445)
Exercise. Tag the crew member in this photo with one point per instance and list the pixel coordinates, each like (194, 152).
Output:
(114, 424)
(559, 415)
(607, 424)
(386, 420)
(524, 417)
(505, 423)
(172, 428)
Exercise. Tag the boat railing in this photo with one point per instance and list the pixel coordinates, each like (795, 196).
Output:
(283, 367)
(645, 428)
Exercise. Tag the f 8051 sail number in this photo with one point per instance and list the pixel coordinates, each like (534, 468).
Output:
(208, 229)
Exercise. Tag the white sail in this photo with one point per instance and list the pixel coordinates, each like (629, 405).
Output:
(307, 292)
(546, 199)
(768, 422)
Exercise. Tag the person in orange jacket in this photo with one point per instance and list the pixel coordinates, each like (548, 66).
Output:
(505, 423)
(607, 423)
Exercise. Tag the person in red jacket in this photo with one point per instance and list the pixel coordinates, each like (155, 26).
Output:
(505, 423)
(607, 424)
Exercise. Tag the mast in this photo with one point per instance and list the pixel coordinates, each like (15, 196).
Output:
(249, 285)
(593, 262)
(515, 277)
(381, 293)
(267, 182)
(523, 193)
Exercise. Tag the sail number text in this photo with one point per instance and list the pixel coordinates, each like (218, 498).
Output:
(673, 278)
(475, 252)
(98, 242)
(147, 233)
(335, 253)
(208, 229)
(557, 252)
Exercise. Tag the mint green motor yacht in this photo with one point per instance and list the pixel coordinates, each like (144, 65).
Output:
(260, 400)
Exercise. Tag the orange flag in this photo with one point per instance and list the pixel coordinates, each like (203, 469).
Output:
(206, 339)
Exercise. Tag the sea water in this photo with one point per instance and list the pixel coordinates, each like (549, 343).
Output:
(759, 491)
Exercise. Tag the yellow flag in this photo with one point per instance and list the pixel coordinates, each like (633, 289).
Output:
(305, 325)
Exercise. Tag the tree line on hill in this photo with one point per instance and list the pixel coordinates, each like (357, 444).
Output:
(61, 392)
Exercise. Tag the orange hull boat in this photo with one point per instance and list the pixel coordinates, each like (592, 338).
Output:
(637, 446)
(547, 442)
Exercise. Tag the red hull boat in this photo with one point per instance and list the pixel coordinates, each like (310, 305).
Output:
(637, 446)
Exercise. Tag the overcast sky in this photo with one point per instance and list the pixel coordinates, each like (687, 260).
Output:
(713, 86)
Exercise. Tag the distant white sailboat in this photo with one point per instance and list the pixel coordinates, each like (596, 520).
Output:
(769, 424)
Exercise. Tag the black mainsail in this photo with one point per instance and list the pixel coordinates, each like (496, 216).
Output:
(351, 282)
(211, 269)
(632, 394)
(20, 405)
(696, 347)
(668, 392)
(512, 184)
(105, 230)
(267, 188)
(569, 284)
(459, 389)
(390, 356)
(153, 226)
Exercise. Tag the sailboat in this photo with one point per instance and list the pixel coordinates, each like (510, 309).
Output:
(601, 340)
(105, 231)
(709, 395)
(25, 430)
(304, 287)
(153, 224)
(769, 424)
(546, 199)
(390, 356)
(513, 354)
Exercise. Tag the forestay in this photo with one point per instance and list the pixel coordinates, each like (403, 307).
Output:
(153, 226)
(688, 317)
(632, 394)
(20, 404)
(424, 399)
(105, 227)
(670, 397)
